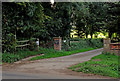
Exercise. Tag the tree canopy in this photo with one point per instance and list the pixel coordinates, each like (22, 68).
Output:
(45, 20)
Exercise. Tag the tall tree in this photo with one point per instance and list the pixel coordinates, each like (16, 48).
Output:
(22, 19)
(60, 22)
(113, 19)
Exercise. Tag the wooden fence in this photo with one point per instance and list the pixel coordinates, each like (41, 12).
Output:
(23, 43)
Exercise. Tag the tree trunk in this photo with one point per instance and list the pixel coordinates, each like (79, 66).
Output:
(86, 35)
(119, 37)
(91, 35)
(110, 34)
(69, 37)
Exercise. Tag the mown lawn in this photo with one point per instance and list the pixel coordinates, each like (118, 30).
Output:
(106, 65)
(51, 53)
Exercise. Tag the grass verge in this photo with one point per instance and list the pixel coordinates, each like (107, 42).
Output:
(51, 53)
(106, 65)
(48, 53)
(11, 57)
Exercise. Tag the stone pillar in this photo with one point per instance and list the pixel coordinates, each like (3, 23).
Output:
(107, 42)
(57, 43)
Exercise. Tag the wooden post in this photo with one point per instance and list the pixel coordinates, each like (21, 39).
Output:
(15, 41)
(37, 42)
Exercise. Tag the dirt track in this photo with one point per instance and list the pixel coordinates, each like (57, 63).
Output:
(55, 68)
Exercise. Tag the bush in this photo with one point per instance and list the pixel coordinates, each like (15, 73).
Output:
(86, 43)
(8, 43)
(10, 57)
(74, 39)
(97, 43)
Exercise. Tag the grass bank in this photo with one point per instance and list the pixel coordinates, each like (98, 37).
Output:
(48, 53)
(51, 53)
(75, 47)
(104, 64)
(11, 57)
(81, 45)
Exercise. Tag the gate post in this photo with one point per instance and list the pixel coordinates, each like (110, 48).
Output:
(37, 42)
(57, 43)
(107, 42)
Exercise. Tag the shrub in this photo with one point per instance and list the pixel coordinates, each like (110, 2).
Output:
(74, 39)
(85, 43)
(8, 43)
(10, 57)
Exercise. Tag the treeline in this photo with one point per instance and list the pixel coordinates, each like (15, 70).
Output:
(46, 20)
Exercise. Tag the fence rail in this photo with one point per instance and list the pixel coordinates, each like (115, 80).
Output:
(26, 43)
(23, 45)
(23, 41)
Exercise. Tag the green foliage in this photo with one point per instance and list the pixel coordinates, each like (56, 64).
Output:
(85, 43)
(33, 44)
(88, 18)
(97, 43)
(11, 57)
(23, 20)
(92, 17)
(59, 24)
(82, 46)
(113, 19)
(51, 53)
(106, 65)
(45, 21)
(9, 43)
